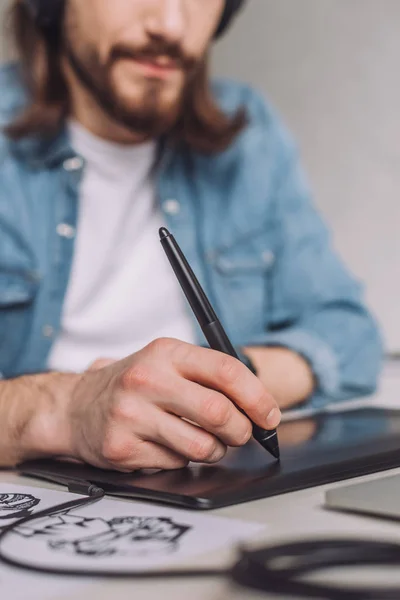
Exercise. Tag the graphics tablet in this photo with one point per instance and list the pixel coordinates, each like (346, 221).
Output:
(314, 451)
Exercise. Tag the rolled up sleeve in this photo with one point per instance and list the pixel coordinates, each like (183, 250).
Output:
(318, 309)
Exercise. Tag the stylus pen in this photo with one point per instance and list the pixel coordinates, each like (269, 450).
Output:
(209, 323)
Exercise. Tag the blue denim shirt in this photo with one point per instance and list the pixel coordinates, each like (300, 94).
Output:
(244, 219)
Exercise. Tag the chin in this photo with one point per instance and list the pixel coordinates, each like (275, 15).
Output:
(139, 91)
(157, 107)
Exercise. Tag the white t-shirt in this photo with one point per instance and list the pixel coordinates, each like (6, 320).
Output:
(122, 292)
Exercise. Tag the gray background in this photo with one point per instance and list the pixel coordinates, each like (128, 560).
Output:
(331, 67)
(3, 5)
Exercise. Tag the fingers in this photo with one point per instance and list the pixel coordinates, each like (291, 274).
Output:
(149, 455)
(129, 445)
(135, 422)
(185, 400)
(171, 392)
(209, 409)
(229, 376)
(186, 439)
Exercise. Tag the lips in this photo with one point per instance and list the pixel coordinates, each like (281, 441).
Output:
(159, 67)
(160, 61)
(158, 64)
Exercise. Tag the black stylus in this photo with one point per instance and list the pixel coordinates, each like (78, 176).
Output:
(209, 323)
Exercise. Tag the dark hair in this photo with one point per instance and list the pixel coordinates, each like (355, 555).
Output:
(202, 125)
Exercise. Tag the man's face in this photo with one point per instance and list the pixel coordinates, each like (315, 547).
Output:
(137, 57)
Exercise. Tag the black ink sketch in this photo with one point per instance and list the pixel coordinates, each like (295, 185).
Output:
(17, 506)
(97, 537)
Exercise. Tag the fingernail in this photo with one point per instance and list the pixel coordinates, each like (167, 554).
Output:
(274, 418)
(218, 455)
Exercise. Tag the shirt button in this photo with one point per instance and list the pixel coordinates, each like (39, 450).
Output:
(73, 164)
(66, 231)
(48, 331)
(268, 258)
(35, 276)
(172, 207)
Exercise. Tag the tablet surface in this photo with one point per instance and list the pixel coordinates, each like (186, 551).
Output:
(314, 450)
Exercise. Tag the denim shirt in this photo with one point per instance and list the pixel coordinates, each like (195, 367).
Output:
(243, 218)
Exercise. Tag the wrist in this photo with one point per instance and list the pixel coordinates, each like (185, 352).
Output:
(246, 360)
(286, 374)
(48, 431)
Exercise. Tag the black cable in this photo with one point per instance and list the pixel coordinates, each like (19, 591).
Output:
(278, 570)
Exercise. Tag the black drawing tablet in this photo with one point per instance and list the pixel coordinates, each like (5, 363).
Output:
(314, 451)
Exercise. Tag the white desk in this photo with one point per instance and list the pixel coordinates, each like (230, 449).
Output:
(298, 515)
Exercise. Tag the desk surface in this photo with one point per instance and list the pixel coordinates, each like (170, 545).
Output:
(292, 516)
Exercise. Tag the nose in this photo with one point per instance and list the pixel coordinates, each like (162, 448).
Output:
(167, 20)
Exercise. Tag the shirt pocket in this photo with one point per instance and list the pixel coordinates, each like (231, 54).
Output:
(17, 294)
(242, 277)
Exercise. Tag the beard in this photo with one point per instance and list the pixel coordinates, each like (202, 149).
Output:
(148, 113)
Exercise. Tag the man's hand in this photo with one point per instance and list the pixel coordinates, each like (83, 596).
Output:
(164, 406)
(285, 374)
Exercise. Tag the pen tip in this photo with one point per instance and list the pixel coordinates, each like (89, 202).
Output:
(268, 440)
(275, 452)
(163, 233)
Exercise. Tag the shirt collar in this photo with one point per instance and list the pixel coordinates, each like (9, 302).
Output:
(42, 153)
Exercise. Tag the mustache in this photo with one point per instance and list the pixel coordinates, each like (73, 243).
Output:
(152, 51)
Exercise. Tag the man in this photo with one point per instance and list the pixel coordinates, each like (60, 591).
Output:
(112, 129)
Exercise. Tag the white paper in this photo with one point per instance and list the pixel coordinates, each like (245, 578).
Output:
(16, 584)
(17, 502)
(111, 535)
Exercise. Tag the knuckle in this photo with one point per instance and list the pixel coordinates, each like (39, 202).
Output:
(115, 450)
(162, 346)
(184, 353)
(245, 434)
(216, 409)
(100, 363)
(202, 448)
(137, 377)
(257, 401)
(229, 370)
(122, 409)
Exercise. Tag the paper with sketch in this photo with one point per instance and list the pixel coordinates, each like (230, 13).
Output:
(111, 534)
(17, 502)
